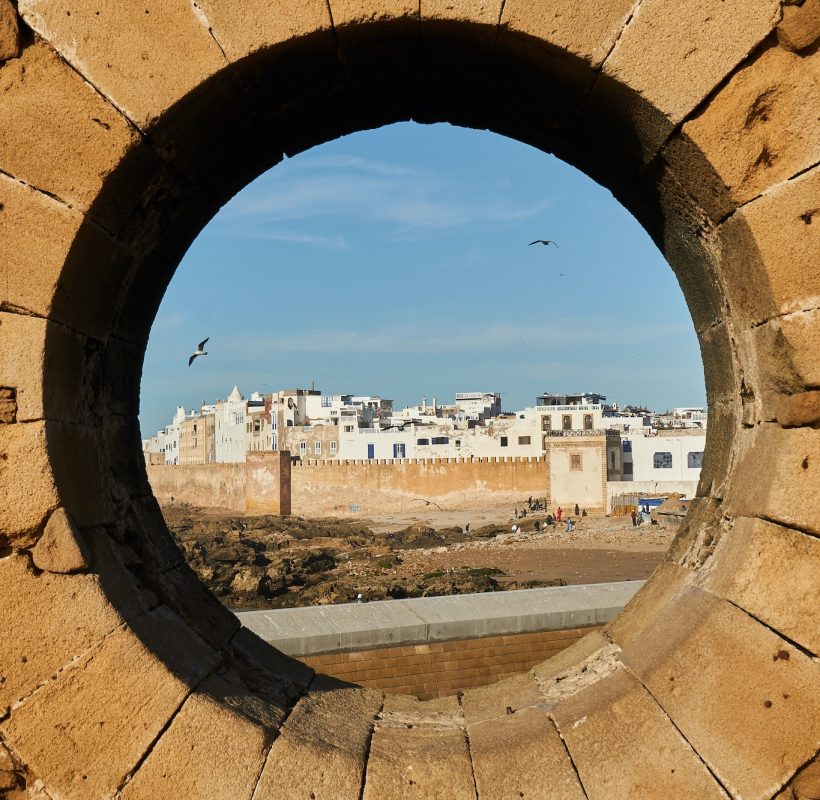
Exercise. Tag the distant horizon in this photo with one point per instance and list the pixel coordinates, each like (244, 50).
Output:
(397, 261)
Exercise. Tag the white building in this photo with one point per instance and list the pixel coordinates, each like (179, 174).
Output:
(478, 406)
(230, 429)
(662, 457)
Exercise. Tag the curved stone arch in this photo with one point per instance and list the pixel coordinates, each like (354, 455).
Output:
(122, 130)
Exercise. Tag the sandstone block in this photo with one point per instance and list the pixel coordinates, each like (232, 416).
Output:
(356, 12)
(419, 750)
(623, 745)
(760, 128)
(143, 57)
(800, 27)
(58, 134)
(214, 748)
(61, 548)
(793, 455)
(41, 631)
(773, 573)
(26, 483)
(85, 731)
(9, 31)
(242, 27)
(491, 702)
(698, 44)
(321, 747)
(799, 410)
(747, 679)
(46, 364)
(771, 250)
(520, 754)
(8, 407)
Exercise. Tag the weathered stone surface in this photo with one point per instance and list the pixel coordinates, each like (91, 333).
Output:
(805, 785)
(492, 702)
(350, 12)
(780, 274)
(61, 547)
(800, 27)
(697, 646)
(623, 744)
(244, 26)
(45, 386)
(214, 748)
(793, 455)
(56, 132)
(773, 573)
(257, 651)
(419, 750)
(83, 732)
(8, 405)
(799, 410)
(63, 630)
(9, 31)
(698, 43)
(322, 745)
(144, 57)
(28, 490)
(520, 754)
(760, 128)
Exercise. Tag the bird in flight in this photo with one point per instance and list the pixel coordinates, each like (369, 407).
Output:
(428, 503)
(562, 274)
(198, 352)
(545, 242)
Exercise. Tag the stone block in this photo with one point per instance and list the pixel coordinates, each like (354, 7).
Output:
(85, 731)
(40, 632)
(46, 364)
(800, 27)
(773, 573)
(419, 749)
(38, 262)
(321, 749)
(61, 547)
(214, 748)
(9, 31)
(698, 43)
(58, 134)
(268, 483)
(143, 57)
(757, 718)
(26, 484)
(623, 744)
(720, 447)
(793, 457)
(245, 26)
(520, 754)
(771, 250)
(759, 129)
(799, 410)
(491, 702)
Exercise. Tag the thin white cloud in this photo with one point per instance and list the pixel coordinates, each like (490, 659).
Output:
(353, 187)
(291, 237)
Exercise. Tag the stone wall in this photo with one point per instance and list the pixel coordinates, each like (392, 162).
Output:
(204, 485)
(440, 669)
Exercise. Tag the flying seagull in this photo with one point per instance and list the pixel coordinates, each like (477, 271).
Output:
(198, 352)
(545, 242)
(429, 503)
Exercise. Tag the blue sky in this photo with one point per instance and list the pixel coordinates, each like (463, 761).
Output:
(396, 262)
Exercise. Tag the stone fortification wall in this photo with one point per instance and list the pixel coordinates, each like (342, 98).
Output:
(387, 485)
(205, 485)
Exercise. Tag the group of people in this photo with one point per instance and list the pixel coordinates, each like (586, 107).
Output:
(557, 518)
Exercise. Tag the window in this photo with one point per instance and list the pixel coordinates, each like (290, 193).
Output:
(327, 401)
(458, 442)
(422, 441)
(302, 448)
(348, 429)
(524, 440)
(575, 463)
(695, 459)
(626, 468)
(333, 448)
(663, 461)
(587, 422)
(566, 422)
(503, 441)
(398, 450)
(546, 422)
(441, 440)
(612, 459)
(289, 423)
(317, 448)
(627, 446)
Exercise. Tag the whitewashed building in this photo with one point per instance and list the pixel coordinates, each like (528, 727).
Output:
(230, 428)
